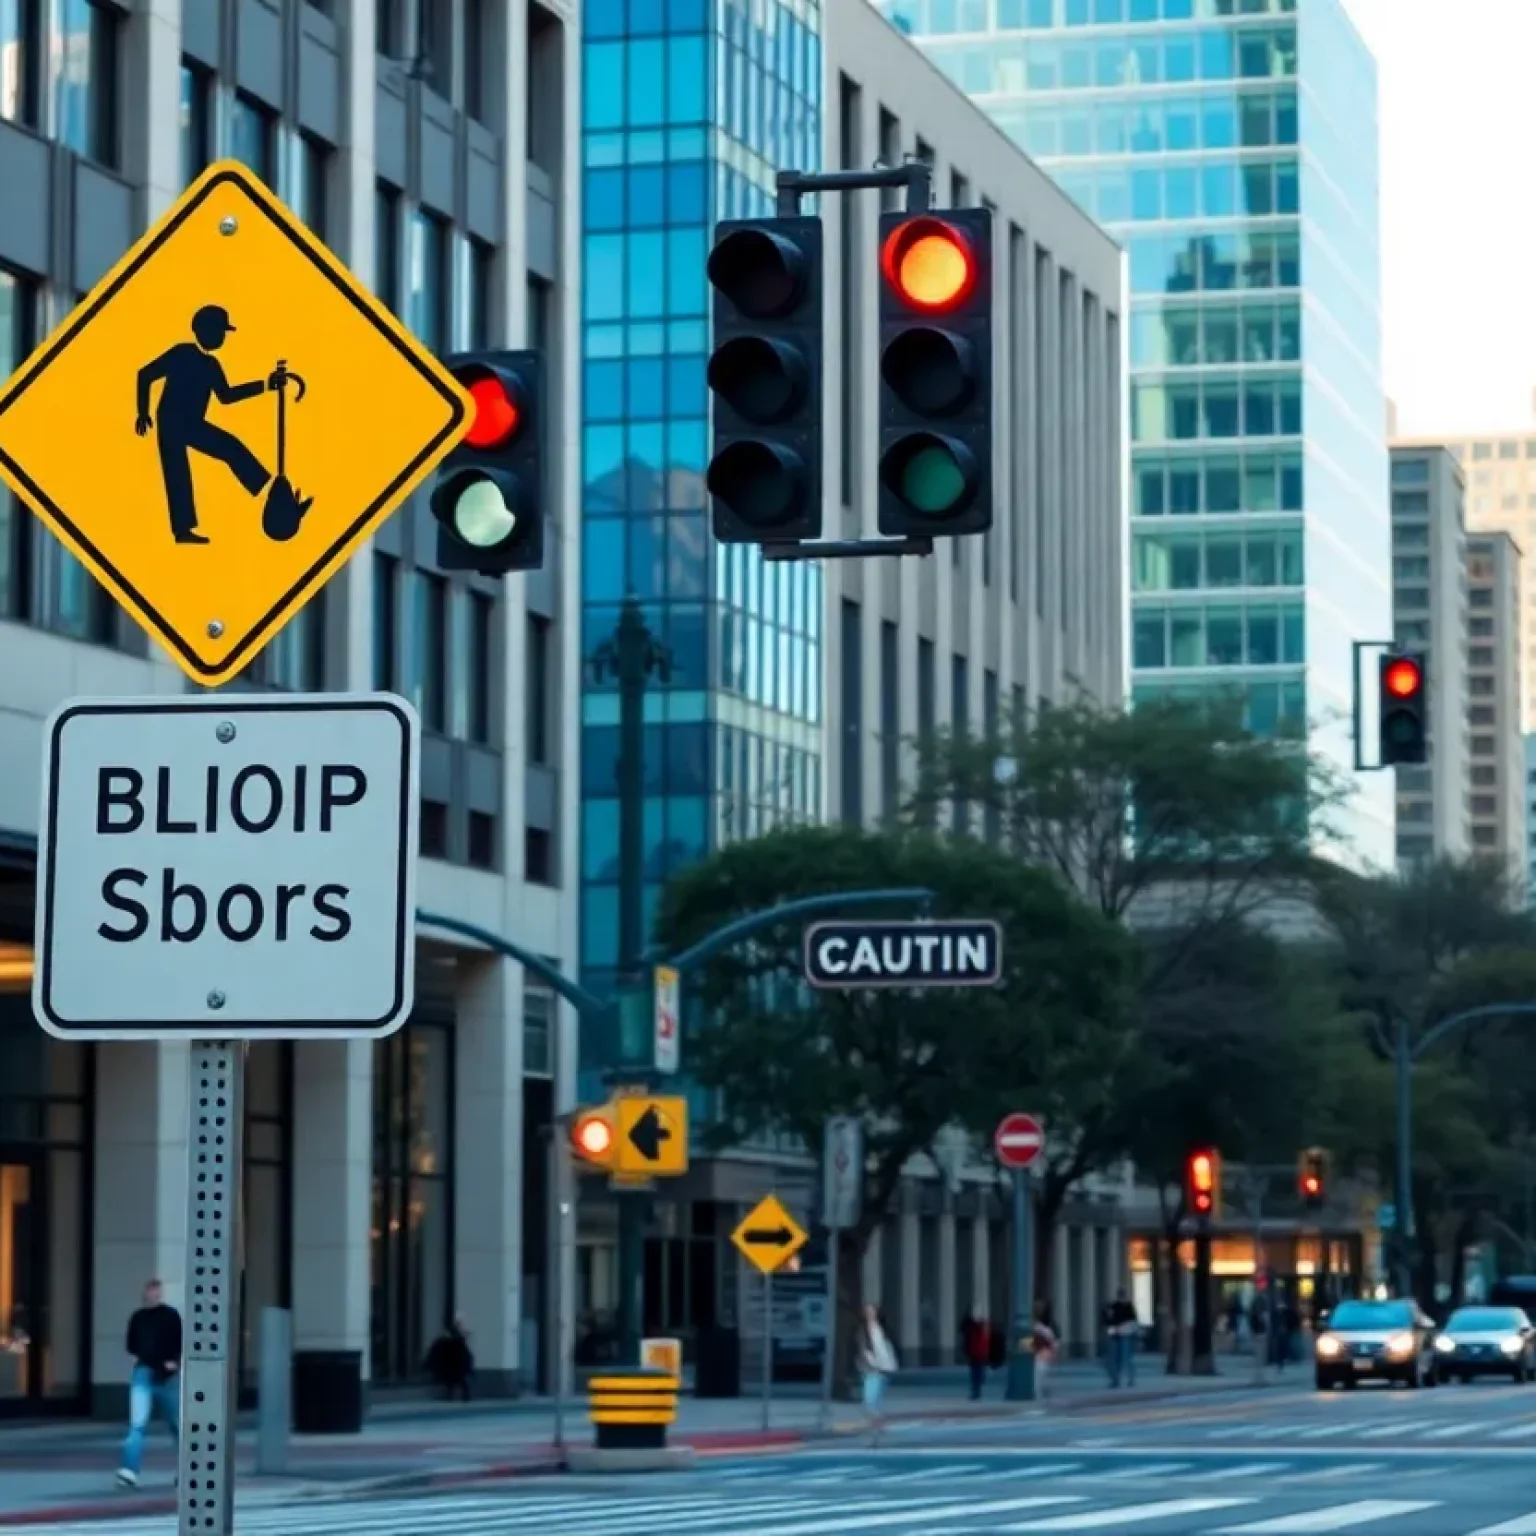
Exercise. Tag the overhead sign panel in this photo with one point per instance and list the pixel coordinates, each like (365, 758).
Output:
(239, 870)
(855, 955)
(222, 421)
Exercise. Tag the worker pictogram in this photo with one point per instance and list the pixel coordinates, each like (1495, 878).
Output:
(239, 414)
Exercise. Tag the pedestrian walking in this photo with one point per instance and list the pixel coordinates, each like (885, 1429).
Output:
(1124, 1332)
(450, 1362)
(154, 1382)
(976, 1342)
(1044, 1338)
(877, 1364)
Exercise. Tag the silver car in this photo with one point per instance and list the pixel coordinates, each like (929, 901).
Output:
(1486, 1341)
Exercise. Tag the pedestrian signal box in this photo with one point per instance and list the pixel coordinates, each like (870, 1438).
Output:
(1202, 1183)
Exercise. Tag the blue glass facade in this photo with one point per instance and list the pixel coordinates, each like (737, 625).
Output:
(690, 107)
(1231, 145)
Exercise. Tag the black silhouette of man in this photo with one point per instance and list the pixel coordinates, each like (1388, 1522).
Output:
(192, 378)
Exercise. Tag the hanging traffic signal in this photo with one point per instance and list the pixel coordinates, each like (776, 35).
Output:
(1312, 1178)
(488, 499)
(593, 1136)
(1202, 1183)
(765, 376)
(936, 373)
(1404, 713)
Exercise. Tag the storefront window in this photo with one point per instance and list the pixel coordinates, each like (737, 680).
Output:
(268, 1194)
(412, 1232)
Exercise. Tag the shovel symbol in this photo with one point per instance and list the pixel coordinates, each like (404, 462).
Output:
(285, 507)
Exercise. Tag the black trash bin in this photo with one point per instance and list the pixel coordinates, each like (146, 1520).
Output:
(327, 1391)
(717, 1362)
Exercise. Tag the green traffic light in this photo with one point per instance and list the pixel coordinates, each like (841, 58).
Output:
(931, 481)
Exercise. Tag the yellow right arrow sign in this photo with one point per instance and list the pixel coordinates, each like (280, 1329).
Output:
(769, 1236)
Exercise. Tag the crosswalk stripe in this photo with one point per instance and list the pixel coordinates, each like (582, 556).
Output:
(1521, 1525)
(1386, 1431)
(1455, 1431)
(1245, 1469)
(1126, 1514)
(1516, 1432)
(1326, 1432)
(907, 1516)
(1341, 1517)
(1349, 1469)
(928, 1474)
(1150, 1469)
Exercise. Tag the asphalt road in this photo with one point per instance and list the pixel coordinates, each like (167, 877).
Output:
(1449, 1462)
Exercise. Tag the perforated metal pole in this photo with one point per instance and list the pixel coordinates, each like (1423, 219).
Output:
(211, 1314)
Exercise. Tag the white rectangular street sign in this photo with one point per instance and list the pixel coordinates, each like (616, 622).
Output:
(842, 1171)
(228, 867)
(668, 992)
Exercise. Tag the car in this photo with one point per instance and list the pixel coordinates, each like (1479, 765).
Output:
(1486, 1341)
(1376, 1341)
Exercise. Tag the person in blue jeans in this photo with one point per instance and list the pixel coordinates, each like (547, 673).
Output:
(154, 1342)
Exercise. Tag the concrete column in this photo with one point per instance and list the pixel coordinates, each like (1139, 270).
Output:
(981, 1264)
(1061, 1282)
(140, 1216)
(908, 1323)
(488, 1139)
(950, 1304)
(1092, 1299)
(872, 1268)
(332, 1194)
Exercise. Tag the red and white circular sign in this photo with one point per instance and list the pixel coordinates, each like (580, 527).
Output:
(1019, 1140)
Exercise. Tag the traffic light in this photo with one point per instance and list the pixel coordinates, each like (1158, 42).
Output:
(1404, 717)
(593, 1137)
(1202, 1182)
(765, 375)
(488, 500)
(936, 373)
(1312, 1178)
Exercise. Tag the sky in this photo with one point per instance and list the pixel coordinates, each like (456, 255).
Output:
(1458, 221)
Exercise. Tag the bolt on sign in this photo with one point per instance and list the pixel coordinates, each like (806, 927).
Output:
(222, 421)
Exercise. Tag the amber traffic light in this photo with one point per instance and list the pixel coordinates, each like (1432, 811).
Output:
(936, 373)
(764, 375)
(1404, 710)
(488, 499)
(1202, 1182)
(593, 1136)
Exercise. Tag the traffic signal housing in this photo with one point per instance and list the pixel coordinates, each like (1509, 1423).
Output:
(1312, 1178)
(935, 469)
(489, 496)
(594, 1136)
(1404, 709)
(1202, 1183)
(765, 376)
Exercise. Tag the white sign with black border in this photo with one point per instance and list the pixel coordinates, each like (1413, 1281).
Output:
(235, 868)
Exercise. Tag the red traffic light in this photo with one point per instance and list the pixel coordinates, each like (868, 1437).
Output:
(1202, 1171)
(1402, 678)
(930, 264)
(592, 1136)
(1311, 1184)
(497, 412)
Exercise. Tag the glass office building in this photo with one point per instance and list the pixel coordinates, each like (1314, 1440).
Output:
(689, 109)
(1231, 145)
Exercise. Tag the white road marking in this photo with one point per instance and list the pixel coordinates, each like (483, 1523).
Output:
(1341, 1517)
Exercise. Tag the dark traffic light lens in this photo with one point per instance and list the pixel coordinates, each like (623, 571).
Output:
(1402, 728)
(762, 483)
(933, 475)
(932, 372)
(762, 380)
(760, 273)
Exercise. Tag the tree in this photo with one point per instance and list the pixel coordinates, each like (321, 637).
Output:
(1171, 819)
(909, 1065)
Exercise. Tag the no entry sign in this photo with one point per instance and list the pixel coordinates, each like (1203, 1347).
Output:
(1019, 1140)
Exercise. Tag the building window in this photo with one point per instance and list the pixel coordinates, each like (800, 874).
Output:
(538, 315)
(251, 132)
(386, 622)
(538, 857)
(386, 22)
(852, 695)
(434, 47)
(196, 123)
(481, 851)
(18, 335)
(268, 1180)
(482, 267)
(890, 718)
(386, 245)
(310, 196)
(477, 49)
(21, 46)
(470, 669)
(540, 1013)
(412, 1227)
(429, 648)
(85, 79)
(82, 606)
(537, 690)
(295, 660)
(427, 300)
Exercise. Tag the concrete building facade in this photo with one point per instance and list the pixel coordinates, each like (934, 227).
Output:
(1494, 694)
(429, 146)
(1430, 616)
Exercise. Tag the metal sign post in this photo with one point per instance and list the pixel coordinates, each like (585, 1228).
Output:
(841, 1197)
(1021, 1349)
(767, 1347)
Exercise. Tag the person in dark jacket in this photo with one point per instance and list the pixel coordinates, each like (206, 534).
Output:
(449, 1362)
(154, 1343)
(976, 1340)
(1123, 1331)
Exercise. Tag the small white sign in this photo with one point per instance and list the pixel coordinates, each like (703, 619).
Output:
(842, 1190)
(668, 991)
(228, 867)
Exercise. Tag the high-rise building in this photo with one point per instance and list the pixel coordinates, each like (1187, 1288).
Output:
(1493, 711)
(1430, 617)
(384, 1184)
(1233, 149)
(1530, 821)
(1501, 495)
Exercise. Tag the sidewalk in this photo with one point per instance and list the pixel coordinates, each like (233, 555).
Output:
(63, 1471)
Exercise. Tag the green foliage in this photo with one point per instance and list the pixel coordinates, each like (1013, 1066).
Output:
(786, 1057)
